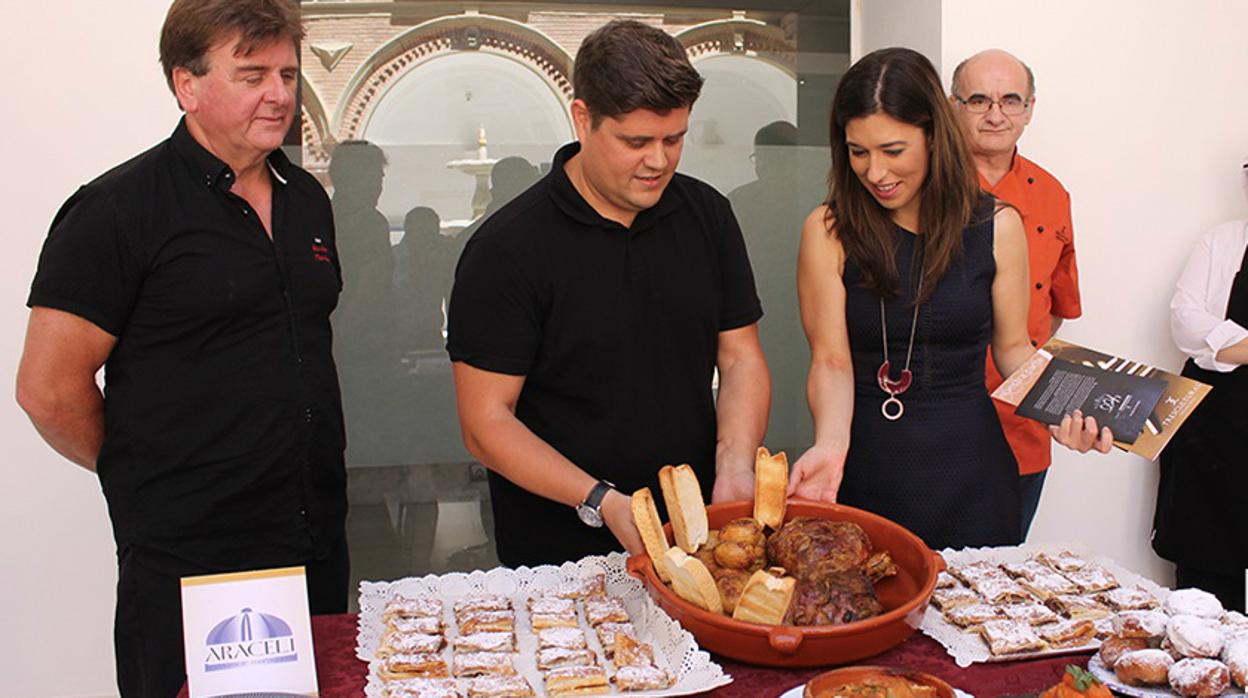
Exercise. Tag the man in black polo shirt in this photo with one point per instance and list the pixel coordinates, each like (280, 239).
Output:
(201, 275)
(589, 314)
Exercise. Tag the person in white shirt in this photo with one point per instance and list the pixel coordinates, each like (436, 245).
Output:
(1198, 523)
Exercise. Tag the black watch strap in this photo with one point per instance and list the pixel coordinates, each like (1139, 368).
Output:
(594, 499)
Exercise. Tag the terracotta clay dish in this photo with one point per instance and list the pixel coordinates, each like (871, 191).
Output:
(904, 597)
(876, 682)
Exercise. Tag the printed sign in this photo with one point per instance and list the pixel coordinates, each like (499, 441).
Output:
(248, 633)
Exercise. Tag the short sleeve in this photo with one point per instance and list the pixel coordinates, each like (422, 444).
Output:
(1065, 284)
(741, 306)
(88, 266)
(494, 317)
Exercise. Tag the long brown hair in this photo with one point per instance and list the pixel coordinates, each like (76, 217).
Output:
(902, 84)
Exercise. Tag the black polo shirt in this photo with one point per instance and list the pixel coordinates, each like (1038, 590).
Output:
(223, 438)
(616, 331)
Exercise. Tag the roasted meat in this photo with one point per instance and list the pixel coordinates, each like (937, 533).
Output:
(835, 599)
(741, 544)
(811, 549)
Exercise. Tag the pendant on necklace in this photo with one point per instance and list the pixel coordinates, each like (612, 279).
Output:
(892, 409)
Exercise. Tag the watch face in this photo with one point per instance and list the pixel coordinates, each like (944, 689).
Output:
(589, 516)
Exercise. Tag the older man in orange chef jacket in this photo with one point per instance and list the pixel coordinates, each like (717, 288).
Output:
(994, 98)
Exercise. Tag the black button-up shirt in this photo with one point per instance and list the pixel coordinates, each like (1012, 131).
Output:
(616, 331)
(224, 437)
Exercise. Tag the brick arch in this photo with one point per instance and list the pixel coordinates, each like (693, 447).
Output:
(740, 37)
(445, 35)
(315, 136)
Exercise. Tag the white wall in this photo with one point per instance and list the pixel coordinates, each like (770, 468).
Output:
(1141, 115)
(84, 92)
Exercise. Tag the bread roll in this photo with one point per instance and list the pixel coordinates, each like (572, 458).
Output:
(692, 581)
(771, 482)
(650, 526)
(685, 506)
(766, 597)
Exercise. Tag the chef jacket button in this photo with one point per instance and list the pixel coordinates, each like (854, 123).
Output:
(1039, 285)
(1031, 180)
(1039, 228)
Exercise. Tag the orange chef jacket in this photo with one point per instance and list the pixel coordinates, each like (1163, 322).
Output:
(1045, 208)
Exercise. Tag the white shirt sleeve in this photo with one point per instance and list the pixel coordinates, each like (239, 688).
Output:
(1198, 310)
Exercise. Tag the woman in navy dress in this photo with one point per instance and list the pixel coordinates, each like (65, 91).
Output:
(905, 277)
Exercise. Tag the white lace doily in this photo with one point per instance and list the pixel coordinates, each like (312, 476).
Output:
(967, 648)
(674, 647)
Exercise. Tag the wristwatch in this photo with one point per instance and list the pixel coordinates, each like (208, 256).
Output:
(590, 510)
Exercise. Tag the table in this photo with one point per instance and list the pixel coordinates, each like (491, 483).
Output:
(341, 675)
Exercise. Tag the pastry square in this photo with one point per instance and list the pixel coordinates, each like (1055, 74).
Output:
(558, 657)
(944, 580)
(1048, 584)
(1068, 633)
(1077, 607)
(1128, 599)
(481, 602)
(1030, 613)
(423, 625)
(1000, 590)
(513, 686)
(394, 642)
(411, 666)
(972, 614)
(1092, 578)
(605, 609)
(1064, 561)
(403, 607)
(473, 622)
(564, 638)
(551, 604)
(1026, 569)
(946, 599)
(607, 633)
(484, 642)
(577, 681)
(976, 570)
(484, 664)
(642, 678)
(582, 587)
(1104, 628)
(1009, 637)
(630, 652)
(421, 688)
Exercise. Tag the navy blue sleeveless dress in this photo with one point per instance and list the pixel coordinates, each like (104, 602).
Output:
(944, 470)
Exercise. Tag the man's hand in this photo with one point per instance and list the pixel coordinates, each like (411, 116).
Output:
(1079, 433)
(817, 474)
(734, 479)
(617, 512)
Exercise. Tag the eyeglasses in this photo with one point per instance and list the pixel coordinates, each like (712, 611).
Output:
(1011, 105)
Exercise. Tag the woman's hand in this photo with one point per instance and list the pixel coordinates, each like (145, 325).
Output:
(617, 512)
(817, 474)
(1079, 433)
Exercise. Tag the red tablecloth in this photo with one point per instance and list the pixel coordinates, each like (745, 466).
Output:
(340, 674)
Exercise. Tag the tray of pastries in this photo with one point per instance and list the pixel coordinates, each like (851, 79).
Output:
(583, 628)
(1002, 604)
(1186, 646)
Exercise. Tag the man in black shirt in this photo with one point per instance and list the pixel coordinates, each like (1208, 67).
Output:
(589, 315)
(201, 276)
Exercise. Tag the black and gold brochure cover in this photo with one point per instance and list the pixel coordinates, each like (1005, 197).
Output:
(1143, 425)
(1120, 401)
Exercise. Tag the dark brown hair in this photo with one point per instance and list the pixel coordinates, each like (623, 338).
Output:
(626, 65)
(902, 84)
(193, 27)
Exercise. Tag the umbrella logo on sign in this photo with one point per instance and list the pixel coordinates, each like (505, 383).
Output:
(249, 638)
